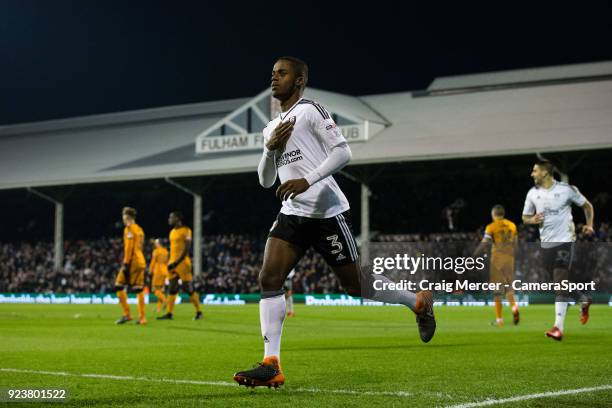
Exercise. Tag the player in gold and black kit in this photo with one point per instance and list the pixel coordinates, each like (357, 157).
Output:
(131, 276)
(179, 266)
(158, 268)
(501, 236)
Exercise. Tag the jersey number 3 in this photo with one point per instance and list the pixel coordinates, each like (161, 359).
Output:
(335, 244)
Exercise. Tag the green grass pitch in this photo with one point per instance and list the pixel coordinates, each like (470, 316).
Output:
(332, 356)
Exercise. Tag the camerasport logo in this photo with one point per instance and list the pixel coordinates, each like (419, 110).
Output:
(289, 157)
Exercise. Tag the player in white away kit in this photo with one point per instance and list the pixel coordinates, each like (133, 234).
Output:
(289, 293)
(549, 205)
(304, 147)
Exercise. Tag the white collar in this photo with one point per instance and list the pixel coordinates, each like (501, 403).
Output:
(289, 110)
(553, 185)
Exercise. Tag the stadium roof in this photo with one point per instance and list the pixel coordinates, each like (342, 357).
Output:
(537, 117)
(589, 70)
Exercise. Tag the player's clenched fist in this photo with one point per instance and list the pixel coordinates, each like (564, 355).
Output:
(291, 188)
(537, 219)
(588, 229)
(280, 135)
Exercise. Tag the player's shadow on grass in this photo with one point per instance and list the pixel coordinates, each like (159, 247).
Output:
(375, 347)
(211, 330)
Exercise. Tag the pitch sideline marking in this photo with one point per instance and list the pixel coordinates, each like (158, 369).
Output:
(115, 377)
(484, 403)
(197, 382)
(488, 402)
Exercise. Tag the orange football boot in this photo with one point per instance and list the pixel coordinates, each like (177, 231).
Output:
(267, 374)
(425, 318)
(555, 333)
(584, 311)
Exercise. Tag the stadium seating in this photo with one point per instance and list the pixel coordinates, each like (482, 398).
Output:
(231, 263)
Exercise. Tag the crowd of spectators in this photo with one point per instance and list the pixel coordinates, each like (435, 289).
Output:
(231, 262)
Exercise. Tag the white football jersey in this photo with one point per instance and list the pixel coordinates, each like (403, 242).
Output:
(314, 134)
(556, 205)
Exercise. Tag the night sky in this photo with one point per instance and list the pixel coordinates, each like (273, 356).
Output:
(63, 58)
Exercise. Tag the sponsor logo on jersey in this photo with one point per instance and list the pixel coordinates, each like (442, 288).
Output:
(289, 157)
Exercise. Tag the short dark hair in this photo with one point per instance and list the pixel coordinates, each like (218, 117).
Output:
(300, 67)
(498, 210)
(178, 215)
(129, 211)
(546, 165)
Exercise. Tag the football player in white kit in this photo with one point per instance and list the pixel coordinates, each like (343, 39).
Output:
(549, 205)
(304, 147)
(289, 293)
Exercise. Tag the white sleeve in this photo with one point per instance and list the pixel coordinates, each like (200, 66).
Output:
(576, 197)
(339, 156)
(529, 208)
(324, 127)
(266, 170)
(332, 138)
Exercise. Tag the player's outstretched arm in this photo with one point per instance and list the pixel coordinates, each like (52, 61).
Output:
(589, 215)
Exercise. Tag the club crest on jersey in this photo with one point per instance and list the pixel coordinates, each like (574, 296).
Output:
(292, 119)
(330, 126)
